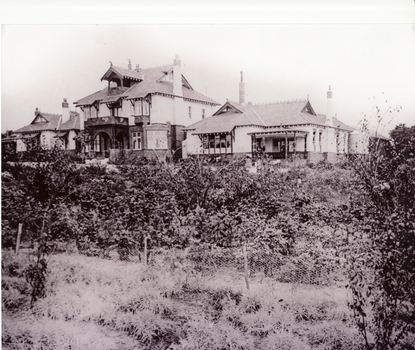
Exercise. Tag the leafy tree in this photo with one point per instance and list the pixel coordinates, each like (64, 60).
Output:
(382, 259)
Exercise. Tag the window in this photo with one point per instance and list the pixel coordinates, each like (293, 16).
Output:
(228, 141)
(203, 113)
(217, 141)
(137, 140)
(211, 141)
(276, 145)
(87, 112)
(95, 110)
(97, 143)
(190, 112)
(138, 107)
(319, 140)
(314, 141)
(146, 108)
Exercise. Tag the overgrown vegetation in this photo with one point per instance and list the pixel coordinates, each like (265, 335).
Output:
(319, 227)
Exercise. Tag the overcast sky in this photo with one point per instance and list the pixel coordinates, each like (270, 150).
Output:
(367, 65)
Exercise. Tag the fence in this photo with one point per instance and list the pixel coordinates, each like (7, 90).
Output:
(244, 263)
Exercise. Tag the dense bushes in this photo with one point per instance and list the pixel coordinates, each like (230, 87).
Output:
(298, 224)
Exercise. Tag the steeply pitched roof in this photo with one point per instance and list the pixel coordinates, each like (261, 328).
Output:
(285, 113)
(72, 123)
(219, 123)
(101, 95)
(336, 123)
(123, 73)
(150, 82)
(51, 123)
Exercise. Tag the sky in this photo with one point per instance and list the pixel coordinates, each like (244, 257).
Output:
(367, 63)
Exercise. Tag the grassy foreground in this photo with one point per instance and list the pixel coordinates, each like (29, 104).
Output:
(93, 303)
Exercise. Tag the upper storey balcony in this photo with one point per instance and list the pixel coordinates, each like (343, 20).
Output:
(140, 119)
(106, 121)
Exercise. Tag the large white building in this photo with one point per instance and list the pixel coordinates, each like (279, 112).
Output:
(144, 110)
(287, 130)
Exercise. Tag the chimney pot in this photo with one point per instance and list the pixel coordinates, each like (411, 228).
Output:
(177, 61)
(242, 91)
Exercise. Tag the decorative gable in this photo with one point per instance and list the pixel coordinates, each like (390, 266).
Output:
(169, 77)
(308, 109)
(39, 119)
(226, 108)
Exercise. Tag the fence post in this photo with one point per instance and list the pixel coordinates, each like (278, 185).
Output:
(19, 236)
(145, 250)
(246, 267)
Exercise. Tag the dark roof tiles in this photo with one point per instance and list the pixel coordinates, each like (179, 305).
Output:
(150, 83)
(52, 123)
(285, 113)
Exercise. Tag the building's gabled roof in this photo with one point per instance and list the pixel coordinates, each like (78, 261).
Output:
(50, 122)
(101, 95)
(336, 123)
(151, 81)
(285, 113)
(219, 123)
(122, 73)
(72, 123)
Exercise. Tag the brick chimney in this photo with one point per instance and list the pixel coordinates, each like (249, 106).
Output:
(242, 90)
(329, 111)
(177, 77)
(65, 111)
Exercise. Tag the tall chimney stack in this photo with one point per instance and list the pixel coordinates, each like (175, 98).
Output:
(329, 111)
(129, 65)
(177, 77)
(65, 111)
(242, 90)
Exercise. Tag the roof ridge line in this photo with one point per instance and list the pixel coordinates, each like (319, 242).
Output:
(301, 113)
(163, 65)
(277, 102)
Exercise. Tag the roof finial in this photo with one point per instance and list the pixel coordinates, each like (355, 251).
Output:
(110, 64)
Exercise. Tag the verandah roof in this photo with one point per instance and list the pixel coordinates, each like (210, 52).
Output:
(278, 133)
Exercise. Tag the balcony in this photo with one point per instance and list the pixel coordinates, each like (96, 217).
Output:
(106, 121)
(142, 119)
